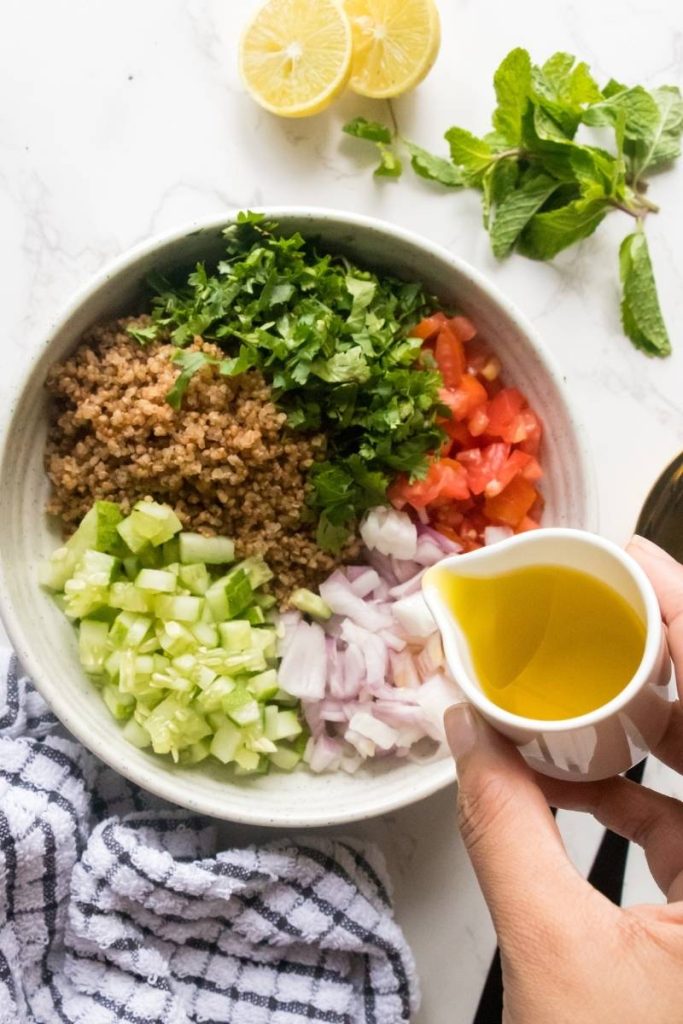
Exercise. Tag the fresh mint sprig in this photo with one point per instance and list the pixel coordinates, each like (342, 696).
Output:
(542, 188)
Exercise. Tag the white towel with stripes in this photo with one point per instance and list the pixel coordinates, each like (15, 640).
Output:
(115, 907)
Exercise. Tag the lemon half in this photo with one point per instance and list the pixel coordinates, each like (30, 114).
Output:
(295, 55)
(395, 43)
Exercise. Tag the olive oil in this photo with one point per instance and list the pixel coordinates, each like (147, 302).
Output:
(545, 641)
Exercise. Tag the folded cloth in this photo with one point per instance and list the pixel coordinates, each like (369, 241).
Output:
(114, 906)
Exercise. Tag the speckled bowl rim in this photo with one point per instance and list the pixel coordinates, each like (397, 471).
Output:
(434, 780)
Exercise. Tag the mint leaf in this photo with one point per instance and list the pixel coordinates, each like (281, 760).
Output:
(641, 114)
(517, 209)
(371, 131)
(663, 142)
(497, 183)
(595, 167)
(468, 152)
(567, 82)
(512, 83)
(389, 165)
(434, 168)
(549, 232)
(641, 314)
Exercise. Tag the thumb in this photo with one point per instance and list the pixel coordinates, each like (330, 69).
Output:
(510, 833)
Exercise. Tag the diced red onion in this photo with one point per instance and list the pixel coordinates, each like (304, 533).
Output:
(337, 594)
(404, 571)
(411, 586)
(390, 532)
(448, 546)
(428, 552)
(326, 754)
(403, 670)
(430, 658)
(381, 734)
(382, 563)
(413, 616)
(303, 669)
(365, 582)
(392, 640)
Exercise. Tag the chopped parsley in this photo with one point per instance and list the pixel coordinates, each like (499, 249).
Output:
(333, 341)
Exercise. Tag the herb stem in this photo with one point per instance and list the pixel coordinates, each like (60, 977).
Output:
(392, 115)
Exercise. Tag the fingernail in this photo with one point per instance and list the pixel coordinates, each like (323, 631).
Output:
(461, 729)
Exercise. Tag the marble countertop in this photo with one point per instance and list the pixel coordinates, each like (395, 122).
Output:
(120, 120)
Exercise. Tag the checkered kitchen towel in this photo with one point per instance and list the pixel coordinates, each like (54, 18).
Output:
(115, 908)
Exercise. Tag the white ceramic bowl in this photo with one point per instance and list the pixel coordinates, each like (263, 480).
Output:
(45, 641)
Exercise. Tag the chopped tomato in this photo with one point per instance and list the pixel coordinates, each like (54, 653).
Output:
(511, 419)
(463, 328)
(446, 481)
(532, 441)
(464, 399)
(428, 327)
(450, 357)
(458, 433)
(527, 524)
(491, 468)
(512, 504)
(486, 467)
(478, 421)
(503, 409)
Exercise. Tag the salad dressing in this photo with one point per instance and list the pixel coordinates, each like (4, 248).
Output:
(545, 641)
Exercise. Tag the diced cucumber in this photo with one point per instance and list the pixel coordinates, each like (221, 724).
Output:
(183, 659)
(285, 759)
(129, 629)
(285, 699)
(239, 593)
(195, 577)
(206, 633)
(247, 760)
(120, 704)
(194, 547)
(280, 725)
(256, 570)
(93, 645)
(157, 523)
(131, 566)
(127, 597)
(310, 604)
(136, 734)
(97, 531)
(262, 745)
(111, 665)
(236, 698)
(235, 635)
(247, 714)
(247, 661)
(211, 699)
(264, 685)
(178, 608)
(174, 638)
(265, 640)
(196, 752)
(226, 742)
(132, 539)
(158, 580)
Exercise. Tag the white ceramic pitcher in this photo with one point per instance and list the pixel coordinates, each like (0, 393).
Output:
(613, 737)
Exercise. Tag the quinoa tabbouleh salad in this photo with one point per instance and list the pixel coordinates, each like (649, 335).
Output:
(253, 475)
